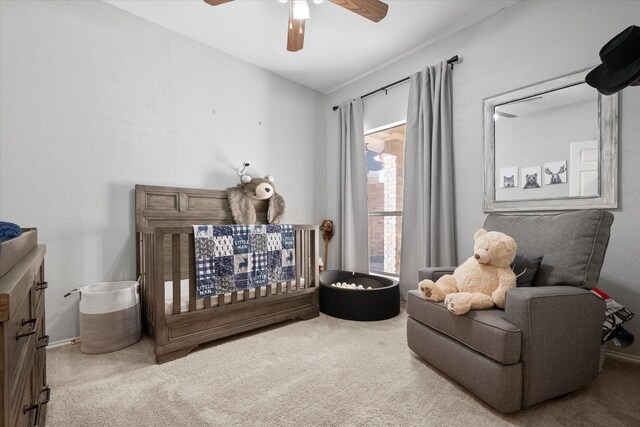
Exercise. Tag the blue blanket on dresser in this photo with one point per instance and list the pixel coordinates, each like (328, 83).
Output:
(9, 230)
(237, 257)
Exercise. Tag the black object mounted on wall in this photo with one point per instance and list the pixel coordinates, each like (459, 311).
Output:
(620, 63)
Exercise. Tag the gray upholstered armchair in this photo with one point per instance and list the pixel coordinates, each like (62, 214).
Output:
(546, 342)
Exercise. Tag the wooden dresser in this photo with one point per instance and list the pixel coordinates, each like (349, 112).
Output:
(23, 378)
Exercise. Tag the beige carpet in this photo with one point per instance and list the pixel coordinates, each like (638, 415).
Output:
(324, 372)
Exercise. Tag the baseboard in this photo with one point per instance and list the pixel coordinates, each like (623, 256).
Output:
(69, 341)
(623, 356)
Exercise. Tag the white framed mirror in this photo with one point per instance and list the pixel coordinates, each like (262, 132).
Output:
(551, 146)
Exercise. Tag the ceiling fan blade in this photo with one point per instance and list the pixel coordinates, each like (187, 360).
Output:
(505, 114)
(216, 2)
(373, 10)
(295, 33)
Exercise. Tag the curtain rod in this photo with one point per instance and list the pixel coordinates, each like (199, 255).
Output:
(451, 61)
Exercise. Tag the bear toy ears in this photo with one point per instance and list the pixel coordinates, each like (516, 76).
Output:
(247, 179)
(479, 234)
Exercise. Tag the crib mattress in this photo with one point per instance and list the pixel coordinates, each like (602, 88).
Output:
(184, 296)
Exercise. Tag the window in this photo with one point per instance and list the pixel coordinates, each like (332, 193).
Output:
(384, 151)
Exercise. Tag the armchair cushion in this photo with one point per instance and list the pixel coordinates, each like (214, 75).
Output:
(525, 269)
(485, 331)
(573, 244)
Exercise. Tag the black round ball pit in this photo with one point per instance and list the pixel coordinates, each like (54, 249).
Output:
(381, 302)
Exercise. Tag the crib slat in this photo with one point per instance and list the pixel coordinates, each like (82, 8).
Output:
(315, 253)
(259, 292)
(158, 290)
(246, 294)
(268, 290)
(288, 287)
(192, 273)
(175, 267)
(307, 261)
(234, 297)
(220, 300)
(299, 237)
(145, 284)
(152, 279)
(149, 276)
(207, 302)
(145, 279)
(279, 288)
(139, 258)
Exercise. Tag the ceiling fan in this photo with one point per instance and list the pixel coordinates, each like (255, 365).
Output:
(373, 10)
(498, 113)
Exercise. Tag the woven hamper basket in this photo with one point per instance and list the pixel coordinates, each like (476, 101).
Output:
(109, 316)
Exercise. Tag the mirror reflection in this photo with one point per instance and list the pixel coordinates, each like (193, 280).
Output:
(546, 145)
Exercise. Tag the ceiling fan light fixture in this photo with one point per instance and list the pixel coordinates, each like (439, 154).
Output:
(300, 9)
(373, 10)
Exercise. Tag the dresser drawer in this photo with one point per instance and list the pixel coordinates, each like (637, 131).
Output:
(40, 351)
(20, 334)
(24, 406)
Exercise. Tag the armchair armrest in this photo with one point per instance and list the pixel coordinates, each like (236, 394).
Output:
(561, 336)
(434, 273)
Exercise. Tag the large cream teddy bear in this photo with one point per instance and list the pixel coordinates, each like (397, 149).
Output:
(483, 279)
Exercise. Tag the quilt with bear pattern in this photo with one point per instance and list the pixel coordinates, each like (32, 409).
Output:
(238, 257)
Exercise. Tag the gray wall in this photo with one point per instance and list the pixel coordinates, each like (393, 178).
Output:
(524, 44)
(95, 100)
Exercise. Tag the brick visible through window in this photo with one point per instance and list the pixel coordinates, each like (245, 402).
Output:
(385, 163)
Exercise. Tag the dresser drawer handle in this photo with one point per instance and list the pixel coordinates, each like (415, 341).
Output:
(41, 286)
(35, 406)
(44, 338)
(32, 331)
(45, 389)
(27, 321)
(28, 408)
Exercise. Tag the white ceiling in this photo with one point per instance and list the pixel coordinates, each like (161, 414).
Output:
(339, 46)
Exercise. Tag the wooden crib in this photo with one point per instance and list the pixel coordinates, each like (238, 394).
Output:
(165, 257)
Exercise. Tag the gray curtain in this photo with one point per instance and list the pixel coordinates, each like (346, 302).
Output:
(353, 225)
(428, 236)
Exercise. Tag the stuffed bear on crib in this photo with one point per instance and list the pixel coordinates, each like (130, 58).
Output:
(240, 200)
